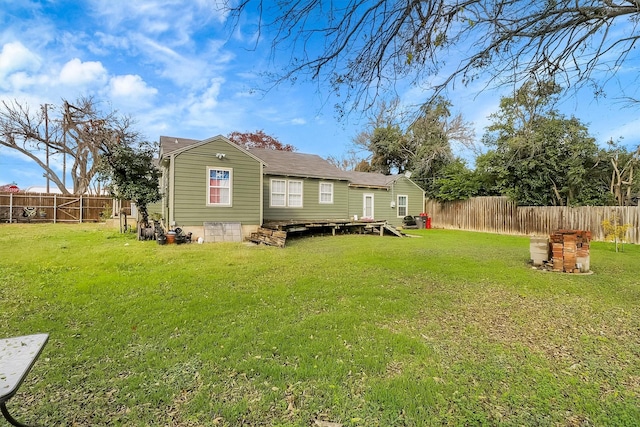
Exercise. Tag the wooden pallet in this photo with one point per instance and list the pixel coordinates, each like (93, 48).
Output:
(269, 237)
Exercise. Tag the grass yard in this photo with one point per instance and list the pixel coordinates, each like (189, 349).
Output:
(452, 328)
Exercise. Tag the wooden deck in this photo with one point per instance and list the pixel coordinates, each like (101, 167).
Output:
(275, 232)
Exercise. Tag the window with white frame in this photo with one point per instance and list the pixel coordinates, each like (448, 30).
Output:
(403, 206)
(326, 192)
(219, 187)
(286, 193)
(278, 192)
(295, 194)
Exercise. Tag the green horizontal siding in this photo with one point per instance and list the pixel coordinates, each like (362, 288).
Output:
(190, 207)
(312, 208)
(154, 208)
(191, 192)
(381, 203)
(415, 196)
(382, 199)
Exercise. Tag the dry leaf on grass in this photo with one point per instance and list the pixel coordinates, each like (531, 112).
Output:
(327, 424)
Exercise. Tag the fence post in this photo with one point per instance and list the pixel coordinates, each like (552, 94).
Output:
(80, 209)
(11, 208)
(55, 208)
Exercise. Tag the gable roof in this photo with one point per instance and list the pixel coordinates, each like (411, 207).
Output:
(169, 144)
(288, 163)
(291, 163)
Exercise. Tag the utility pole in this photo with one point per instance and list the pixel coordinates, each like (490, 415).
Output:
(65, 117)
(46, 137)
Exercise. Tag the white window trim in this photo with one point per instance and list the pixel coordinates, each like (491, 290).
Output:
(406, 197)
(230, 170)
(373, 204)
(301, 193)
(284, 202)
(286, 193)
(330, 184)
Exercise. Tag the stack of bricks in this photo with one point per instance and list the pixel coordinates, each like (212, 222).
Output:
(570, 251)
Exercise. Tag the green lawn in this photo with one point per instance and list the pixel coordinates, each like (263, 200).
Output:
(452, 328)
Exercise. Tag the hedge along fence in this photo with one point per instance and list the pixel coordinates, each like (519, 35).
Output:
(499, 215)
(40, 207)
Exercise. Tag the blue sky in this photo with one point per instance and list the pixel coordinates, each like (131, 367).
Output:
(175, 67)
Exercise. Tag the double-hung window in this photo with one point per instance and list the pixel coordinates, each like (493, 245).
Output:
(295, 194)
(403, 206)
(326, 192)
(219, 187)
(278, 192)
(286, 193)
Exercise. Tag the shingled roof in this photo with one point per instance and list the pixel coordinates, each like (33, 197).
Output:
(169, 144)
(371, 179)
(291, 163)
(297, 164)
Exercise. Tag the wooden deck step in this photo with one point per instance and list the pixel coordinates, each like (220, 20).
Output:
(391, 229)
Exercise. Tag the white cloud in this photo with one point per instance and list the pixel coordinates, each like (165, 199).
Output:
(130, 86)
(178, 19)
(208, 101)
(103, 44)
(298, 121)
(22, 81)
(78, 73)
(16, 57)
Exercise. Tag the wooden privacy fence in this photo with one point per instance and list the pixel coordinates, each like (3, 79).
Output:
(499, 215)
(26, 207)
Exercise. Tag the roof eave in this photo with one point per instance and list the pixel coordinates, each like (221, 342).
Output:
(295, 175)
(383, 187)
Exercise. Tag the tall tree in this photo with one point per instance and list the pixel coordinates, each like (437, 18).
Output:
(259, 139)
(366, 47)
(389, 151)
(349, 161)
(387, 114)
(422, 147)
(540, 157)
(624, 183)
(430, 136)
(395, 143)
(74, 134)
(457, 182)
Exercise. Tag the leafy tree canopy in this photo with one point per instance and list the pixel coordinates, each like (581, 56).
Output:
(423, 147)
(259, 139)
(540, 157)
(457, 182)
(130, 168)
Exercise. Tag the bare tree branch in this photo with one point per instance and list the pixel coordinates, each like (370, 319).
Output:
(79, 132)
(361, 48)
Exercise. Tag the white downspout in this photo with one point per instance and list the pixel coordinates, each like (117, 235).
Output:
(261, 194)
(172, 191)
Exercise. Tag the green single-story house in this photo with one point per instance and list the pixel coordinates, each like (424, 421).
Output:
(223, 192)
